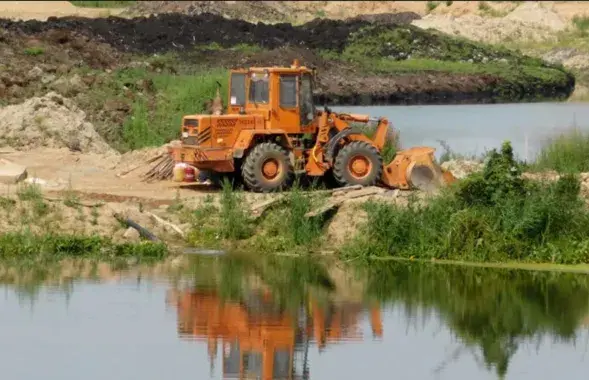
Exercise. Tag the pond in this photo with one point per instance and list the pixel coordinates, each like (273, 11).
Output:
(217, 317)
(473, 129)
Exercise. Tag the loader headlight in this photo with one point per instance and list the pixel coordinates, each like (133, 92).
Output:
(184, 134)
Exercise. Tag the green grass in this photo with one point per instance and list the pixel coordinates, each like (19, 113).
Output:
(581, 23)
(493, 216)
(34, 51)
(103, 4)
(284, 228)
(431, 5)
(567, 152)
(24, 246)
(155, 116)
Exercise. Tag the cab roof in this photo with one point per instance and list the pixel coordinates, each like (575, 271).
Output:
(294, 68)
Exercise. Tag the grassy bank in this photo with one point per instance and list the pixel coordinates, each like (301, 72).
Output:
(24, 247)
(494, 216)
(39, 228)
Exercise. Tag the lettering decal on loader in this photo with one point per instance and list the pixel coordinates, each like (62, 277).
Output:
(225, 127)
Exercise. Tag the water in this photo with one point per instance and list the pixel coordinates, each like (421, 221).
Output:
(403, 321)
(473, 129)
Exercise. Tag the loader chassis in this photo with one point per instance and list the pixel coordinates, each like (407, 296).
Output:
(271, 130)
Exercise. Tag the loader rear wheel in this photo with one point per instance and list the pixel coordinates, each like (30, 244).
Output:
(267, 168)
(357, 163)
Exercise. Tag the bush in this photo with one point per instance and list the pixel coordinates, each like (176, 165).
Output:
(491, 216)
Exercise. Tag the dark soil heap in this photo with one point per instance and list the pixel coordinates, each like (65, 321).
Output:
(166, 32)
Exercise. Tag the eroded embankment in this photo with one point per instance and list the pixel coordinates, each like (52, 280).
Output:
(358, 62)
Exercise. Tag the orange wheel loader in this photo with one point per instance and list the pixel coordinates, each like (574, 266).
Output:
(271, 131)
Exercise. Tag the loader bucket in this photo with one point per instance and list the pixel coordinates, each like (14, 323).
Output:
(416, 168)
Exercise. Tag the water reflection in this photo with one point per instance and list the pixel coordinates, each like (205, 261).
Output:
(261, 331)
(276, 318)
(258, 338)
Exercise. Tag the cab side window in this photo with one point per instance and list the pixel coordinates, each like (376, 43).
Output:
(238, 89)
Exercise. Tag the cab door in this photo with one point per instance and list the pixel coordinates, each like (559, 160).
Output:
(288, 103)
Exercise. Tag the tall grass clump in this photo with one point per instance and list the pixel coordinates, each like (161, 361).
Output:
(157, 99)
(235, 223)
(565, 153)
(178, 95)
(495, 215)
(303, 230)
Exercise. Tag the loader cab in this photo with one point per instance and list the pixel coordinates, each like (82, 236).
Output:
(282, 95)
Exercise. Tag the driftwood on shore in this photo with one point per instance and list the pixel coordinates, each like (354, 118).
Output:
(165, 223)
(349, 192)
(130, 223)
(334, 203)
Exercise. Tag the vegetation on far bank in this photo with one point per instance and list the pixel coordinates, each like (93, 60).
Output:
(102, 4)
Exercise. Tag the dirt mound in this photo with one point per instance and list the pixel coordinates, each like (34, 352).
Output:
(569, 57)
(529, 21)
(177, 32)
(49, 121)
(285, 11)
(37, 63)
(462, 168)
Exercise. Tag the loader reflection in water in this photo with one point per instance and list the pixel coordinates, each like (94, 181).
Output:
(260, 341)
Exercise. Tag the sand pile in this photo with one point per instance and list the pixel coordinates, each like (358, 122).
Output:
(530, 21)
(50, 121)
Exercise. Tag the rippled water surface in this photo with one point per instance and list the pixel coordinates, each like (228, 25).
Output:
(296, 319)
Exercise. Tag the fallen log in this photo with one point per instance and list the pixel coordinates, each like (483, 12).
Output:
(130, 223)
(334, 204)
(259, 209)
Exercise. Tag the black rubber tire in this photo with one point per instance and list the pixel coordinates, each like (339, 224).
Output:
(342, 174)
(251, 170)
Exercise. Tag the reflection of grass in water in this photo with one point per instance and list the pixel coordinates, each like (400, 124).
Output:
(289, 279)
(487, 308)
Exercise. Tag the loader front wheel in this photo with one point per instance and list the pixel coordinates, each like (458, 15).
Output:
(357, 163)
(267, 168)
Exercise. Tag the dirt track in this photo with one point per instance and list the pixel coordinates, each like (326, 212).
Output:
(42, 10)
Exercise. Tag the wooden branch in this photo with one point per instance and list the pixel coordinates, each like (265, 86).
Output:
(124, 173)
(167, 224)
